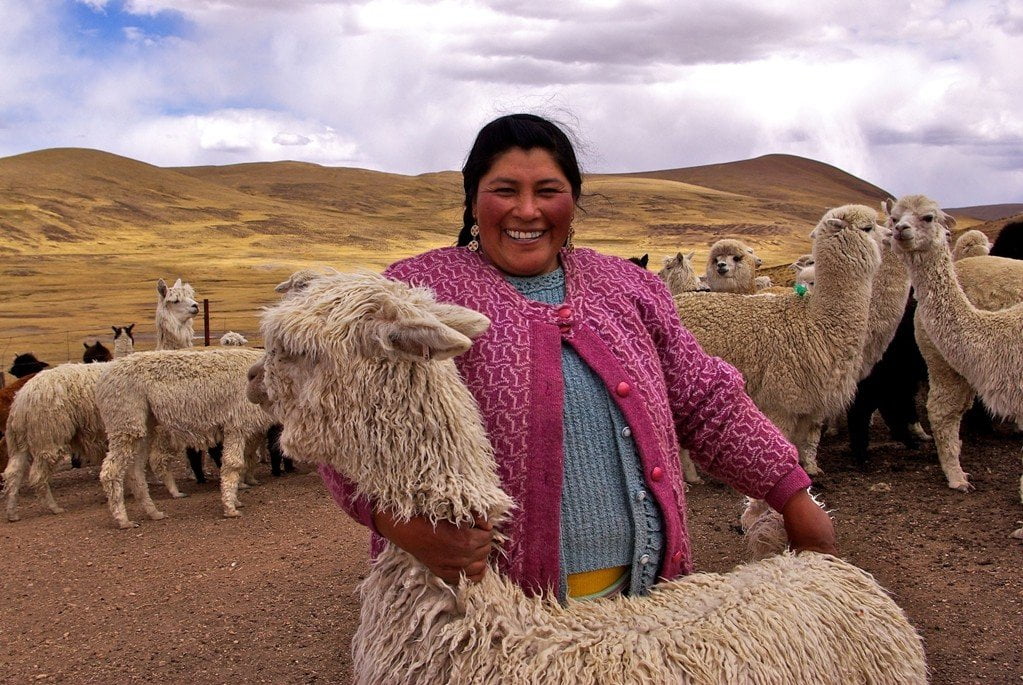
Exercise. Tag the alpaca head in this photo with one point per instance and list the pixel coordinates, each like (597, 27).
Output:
(972, 243)
(1009, 241)
(330, 333)
(807, 278)
(853, 231)
(26, 363)
(678, 273)
(124, 332)
(801, 263)
(178, 300)
(918, 225)
(233, 339)
(97, 352)
(731, 266)
(640, 261)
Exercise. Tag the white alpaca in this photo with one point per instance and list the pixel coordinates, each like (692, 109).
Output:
(984, 347)
(679, 275)
(378, 353)
(800, 356)
(175, 312)
(971, 244)
(232, 338)
(52, 418)
(186, 398)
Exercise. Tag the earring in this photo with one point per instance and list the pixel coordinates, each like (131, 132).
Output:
(569, 245)
(474, 244)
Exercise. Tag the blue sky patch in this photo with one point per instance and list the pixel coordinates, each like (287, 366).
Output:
(97, 31)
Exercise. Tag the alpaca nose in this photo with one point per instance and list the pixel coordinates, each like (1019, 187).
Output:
(722, 269)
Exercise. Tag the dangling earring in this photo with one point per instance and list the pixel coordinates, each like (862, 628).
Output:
(474, 244)
(569, 245)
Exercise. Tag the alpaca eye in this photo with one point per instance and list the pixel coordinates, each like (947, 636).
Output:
(738, 258)
(928, 218)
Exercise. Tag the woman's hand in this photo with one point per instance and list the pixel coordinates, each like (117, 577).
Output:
(447, 550)
(808, 526)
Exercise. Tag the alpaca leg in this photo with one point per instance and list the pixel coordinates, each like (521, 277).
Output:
(160, 458)
(805, 434)
(252, 453)
(39, 477)
(688, 467)
(858, 418)
(139, 485)
(111, 475)
(947, 401)
(195, 461)
(232, 463)
(17, 465)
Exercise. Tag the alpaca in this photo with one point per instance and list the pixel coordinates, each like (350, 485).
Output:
(807, 277)
(801, 263)
(679, 275)
(124, 340)
(803, 360)
(732, 267)
(97, 352)
(379, 352)
(175, 312)
(174, 398)
(641, 262)
(984, 347)
(232, 338)
(971, 244)
(51, 419)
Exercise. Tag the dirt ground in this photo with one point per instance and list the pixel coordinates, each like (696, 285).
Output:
(269, 597)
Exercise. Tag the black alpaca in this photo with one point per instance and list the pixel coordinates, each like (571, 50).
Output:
(95, 353)
(640, 261)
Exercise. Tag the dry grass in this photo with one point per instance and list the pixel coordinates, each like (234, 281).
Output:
(84, 235)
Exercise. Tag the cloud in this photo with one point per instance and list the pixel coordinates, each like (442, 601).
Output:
(875, 88)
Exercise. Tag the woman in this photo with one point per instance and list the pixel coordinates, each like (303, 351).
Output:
(587, 382)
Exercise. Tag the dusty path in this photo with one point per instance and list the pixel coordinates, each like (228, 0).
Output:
(268, 598)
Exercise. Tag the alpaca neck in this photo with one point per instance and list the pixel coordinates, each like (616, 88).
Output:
(123, 346)
(888, 297)
(680, 281)
(940, 299)
(172, 334)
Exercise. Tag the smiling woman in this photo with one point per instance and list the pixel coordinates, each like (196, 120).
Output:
(587, 383)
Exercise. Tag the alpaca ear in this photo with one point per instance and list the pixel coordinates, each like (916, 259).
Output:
(887, 206)
(128, 328)
(690, 255)
(424, 340)
(117, 331)
(679, 256)
(948, 220)
(177, 283)
(468, 322)
(161, 287)
(85, 345)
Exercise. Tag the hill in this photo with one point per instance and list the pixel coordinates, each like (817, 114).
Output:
(988, 212)
(85, 234)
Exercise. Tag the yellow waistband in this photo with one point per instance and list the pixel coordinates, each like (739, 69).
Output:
(592, 582)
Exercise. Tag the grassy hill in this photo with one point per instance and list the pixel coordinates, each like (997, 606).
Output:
(84, 234)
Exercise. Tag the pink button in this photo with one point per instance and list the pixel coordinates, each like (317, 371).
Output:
(676, 558)
(565, 313)
(656, 474)
(623, 389)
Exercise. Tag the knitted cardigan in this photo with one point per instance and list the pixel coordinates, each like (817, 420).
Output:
(622, 322)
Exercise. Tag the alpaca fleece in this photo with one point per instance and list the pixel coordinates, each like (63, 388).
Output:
(173, 399)
(803, 363)
(377, 353)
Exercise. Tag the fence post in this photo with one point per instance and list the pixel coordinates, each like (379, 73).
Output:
(206, 321)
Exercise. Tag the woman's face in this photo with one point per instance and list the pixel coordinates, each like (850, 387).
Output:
(524, 208)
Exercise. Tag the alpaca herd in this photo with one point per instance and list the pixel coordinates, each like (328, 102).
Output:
(882, 305)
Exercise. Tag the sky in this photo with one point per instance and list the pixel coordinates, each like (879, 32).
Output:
(915, 97)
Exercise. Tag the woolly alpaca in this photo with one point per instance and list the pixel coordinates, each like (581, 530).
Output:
(679, 275)
(124, 340)
(380, 352)
(175, 312)
(985, 347)
(803, 363)
(807, 277)
(732, 267)
(51, 419)
(233, 339)
(971, 244)
(97, 352)
(175, 398)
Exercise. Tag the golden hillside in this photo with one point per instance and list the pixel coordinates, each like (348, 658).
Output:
(85, 234)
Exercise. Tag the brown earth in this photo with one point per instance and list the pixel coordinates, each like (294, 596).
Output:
(269, 597)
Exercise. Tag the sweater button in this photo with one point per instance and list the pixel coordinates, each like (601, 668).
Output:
(656, 474)
(565, 313)
(626, 432)
(676, 558)
(644, 560)
(641, 496)
(623, 389)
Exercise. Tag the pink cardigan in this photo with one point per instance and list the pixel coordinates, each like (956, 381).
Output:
(622, 322)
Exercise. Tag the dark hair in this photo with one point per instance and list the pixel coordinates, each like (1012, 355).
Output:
(526, 131)
(1009, 241)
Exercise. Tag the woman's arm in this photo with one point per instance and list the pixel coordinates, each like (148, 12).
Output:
(808, 526)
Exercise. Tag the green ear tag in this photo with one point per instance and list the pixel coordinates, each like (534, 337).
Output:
(800, 289)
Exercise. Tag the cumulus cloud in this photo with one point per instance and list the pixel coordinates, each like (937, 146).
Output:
(912, 95)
